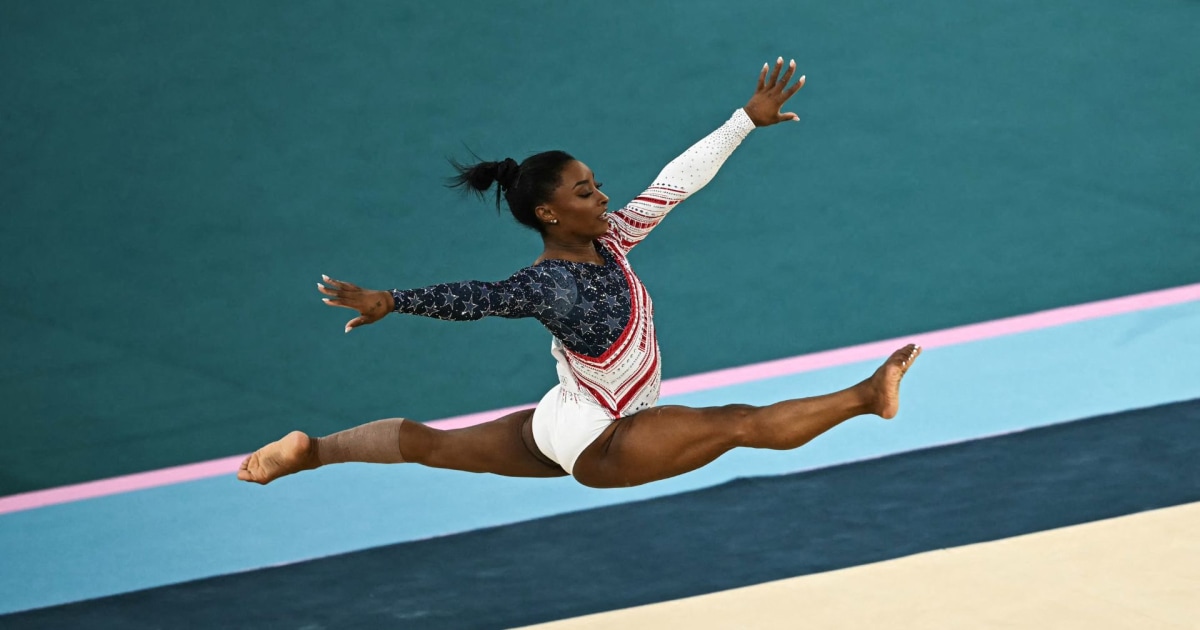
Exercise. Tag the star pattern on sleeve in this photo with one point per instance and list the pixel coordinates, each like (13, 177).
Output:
(585, 306)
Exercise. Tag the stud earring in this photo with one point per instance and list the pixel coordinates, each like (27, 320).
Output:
(554, 221)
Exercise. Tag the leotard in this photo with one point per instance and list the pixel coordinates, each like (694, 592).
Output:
(600, 316)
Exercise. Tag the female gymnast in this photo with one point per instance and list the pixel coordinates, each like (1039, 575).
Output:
(600, 423)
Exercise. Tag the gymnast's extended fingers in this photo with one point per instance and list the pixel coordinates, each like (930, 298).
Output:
(345, 295)
(787, 76)
(762, 79)
(775, 73)
(788, 93)
(338, 284)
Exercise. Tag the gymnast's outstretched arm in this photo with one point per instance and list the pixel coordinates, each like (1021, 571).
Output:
(695, 168)
(529, 292)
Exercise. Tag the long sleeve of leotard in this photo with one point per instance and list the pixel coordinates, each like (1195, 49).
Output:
(685, 175)
(530, 292)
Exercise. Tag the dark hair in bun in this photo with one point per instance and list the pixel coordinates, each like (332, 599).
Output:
(524, 186)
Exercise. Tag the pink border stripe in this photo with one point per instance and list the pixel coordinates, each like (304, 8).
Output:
(672, 387)
(947, 337)
(117, 485)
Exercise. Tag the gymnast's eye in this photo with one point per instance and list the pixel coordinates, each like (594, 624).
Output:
(589, 193)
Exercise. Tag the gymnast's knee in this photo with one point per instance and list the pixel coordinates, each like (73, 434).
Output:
(739, 422)
(418, 443)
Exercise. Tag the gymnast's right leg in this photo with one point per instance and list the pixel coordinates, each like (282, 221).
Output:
(501, 447)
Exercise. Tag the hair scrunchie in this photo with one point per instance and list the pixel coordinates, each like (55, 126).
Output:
(507, 173)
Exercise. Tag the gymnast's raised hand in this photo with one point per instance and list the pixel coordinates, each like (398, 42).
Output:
(765, 106)
(602, 423)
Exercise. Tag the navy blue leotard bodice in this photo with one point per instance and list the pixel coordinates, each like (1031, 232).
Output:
(585, 306)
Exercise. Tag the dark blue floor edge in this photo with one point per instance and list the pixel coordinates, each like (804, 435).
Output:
(740, 533)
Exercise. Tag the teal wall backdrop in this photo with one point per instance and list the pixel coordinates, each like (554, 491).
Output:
(175, 176)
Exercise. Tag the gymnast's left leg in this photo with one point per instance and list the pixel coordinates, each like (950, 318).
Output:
(663, 442)
(504, 446)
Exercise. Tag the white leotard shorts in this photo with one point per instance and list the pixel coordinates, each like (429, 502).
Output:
(564, 424)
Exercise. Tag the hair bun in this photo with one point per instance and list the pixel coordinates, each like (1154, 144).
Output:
(507, 172)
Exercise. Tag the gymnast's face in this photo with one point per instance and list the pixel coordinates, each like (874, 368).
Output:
(577, 204)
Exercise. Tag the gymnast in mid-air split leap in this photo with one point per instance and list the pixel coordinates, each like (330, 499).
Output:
(601, 423)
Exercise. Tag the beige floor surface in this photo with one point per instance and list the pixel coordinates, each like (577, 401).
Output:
(1140, 571)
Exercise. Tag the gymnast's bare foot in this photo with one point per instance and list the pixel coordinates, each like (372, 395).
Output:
(282, 457)
(885, 383)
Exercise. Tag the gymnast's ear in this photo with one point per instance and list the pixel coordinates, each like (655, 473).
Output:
(545, 214)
